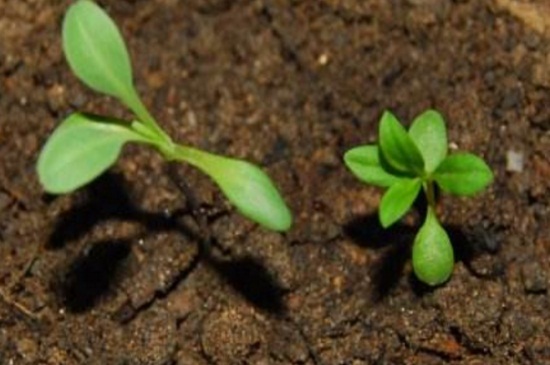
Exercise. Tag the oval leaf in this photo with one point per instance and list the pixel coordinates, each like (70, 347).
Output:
(245, 185)
(397, 147)
(364, 163)
(398, 200)
(429, 134)
(432, 254)
(79, 150)
(96, 51)
(463, 174)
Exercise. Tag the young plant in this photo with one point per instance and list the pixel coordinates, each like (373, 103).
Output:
(84, 145)
(407, 162)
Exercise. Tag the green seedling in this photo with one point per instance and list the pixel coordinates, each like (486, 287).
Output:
(84, 146)
(407, 162)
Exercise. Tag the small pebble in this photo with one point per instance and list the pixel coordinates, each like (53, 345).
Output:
(323, 59)
(514, 161)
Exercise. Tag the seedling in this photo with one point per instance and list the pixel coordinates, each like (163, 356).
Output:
(407, 162)
(84, 146)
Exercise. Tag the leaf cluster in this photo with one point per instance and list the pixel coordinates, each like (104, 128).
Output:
(84, 146)
(406, 162)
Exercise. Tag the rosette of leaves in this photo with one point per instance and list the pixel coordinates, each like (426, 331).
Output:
(83, 146)
(408, 162)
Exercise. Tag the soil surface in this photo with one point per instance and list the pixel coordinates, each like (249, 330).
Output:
(120, 272)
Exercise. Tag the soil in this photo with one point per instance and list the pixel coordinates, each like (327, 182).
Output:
(119, 272)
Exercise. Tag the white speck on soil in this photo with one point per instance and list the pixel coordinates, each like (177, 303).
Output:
(514, 161)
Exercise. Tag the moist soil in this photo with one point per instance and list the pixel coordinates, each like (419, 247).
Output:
(150, 265)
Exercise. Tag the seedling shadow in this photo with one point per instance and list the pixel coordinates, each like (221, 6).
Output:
(473, 242)
(468, 244)
(246, 275)
(250, 278)
(106, 199)
(396, 243)
(92, 274)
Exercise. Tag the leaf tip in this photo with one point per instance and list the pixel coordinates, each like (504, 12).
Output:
(284, 223)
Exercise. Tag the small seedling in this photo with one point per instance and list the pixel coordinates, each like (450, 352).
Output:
(84, 146)
(406, 162)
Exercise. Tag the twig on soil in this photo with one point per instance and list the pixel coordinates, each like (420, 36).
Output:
(26, 269)
(15, 304)
(7, 297)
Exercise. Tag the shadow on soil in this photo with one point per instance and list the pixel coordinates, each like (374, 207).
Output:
(246, 275)
(396, 244)
(107, 199)
(249, 277)
(92, 274)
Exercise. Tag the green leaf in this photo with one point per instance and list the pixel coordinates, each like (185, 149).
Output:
(432, 254)
(397, 147)
(96, 51)
(463, 174)
(245, 185)
(429, 134)
(79, 150)
(97, 54)
(364, 163)
(398, 200)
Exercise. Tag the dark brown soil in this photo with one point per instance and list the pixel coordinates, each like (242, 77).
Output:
(116, 274)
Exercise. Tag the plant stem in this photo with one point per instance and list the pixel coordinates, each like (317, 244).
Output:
(136, 105)
(193, 156)
(430, 194)
(209, 163)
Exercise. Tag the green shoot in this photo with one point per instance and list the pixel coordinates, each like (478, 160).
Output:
(84, 146)
(407, 162)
